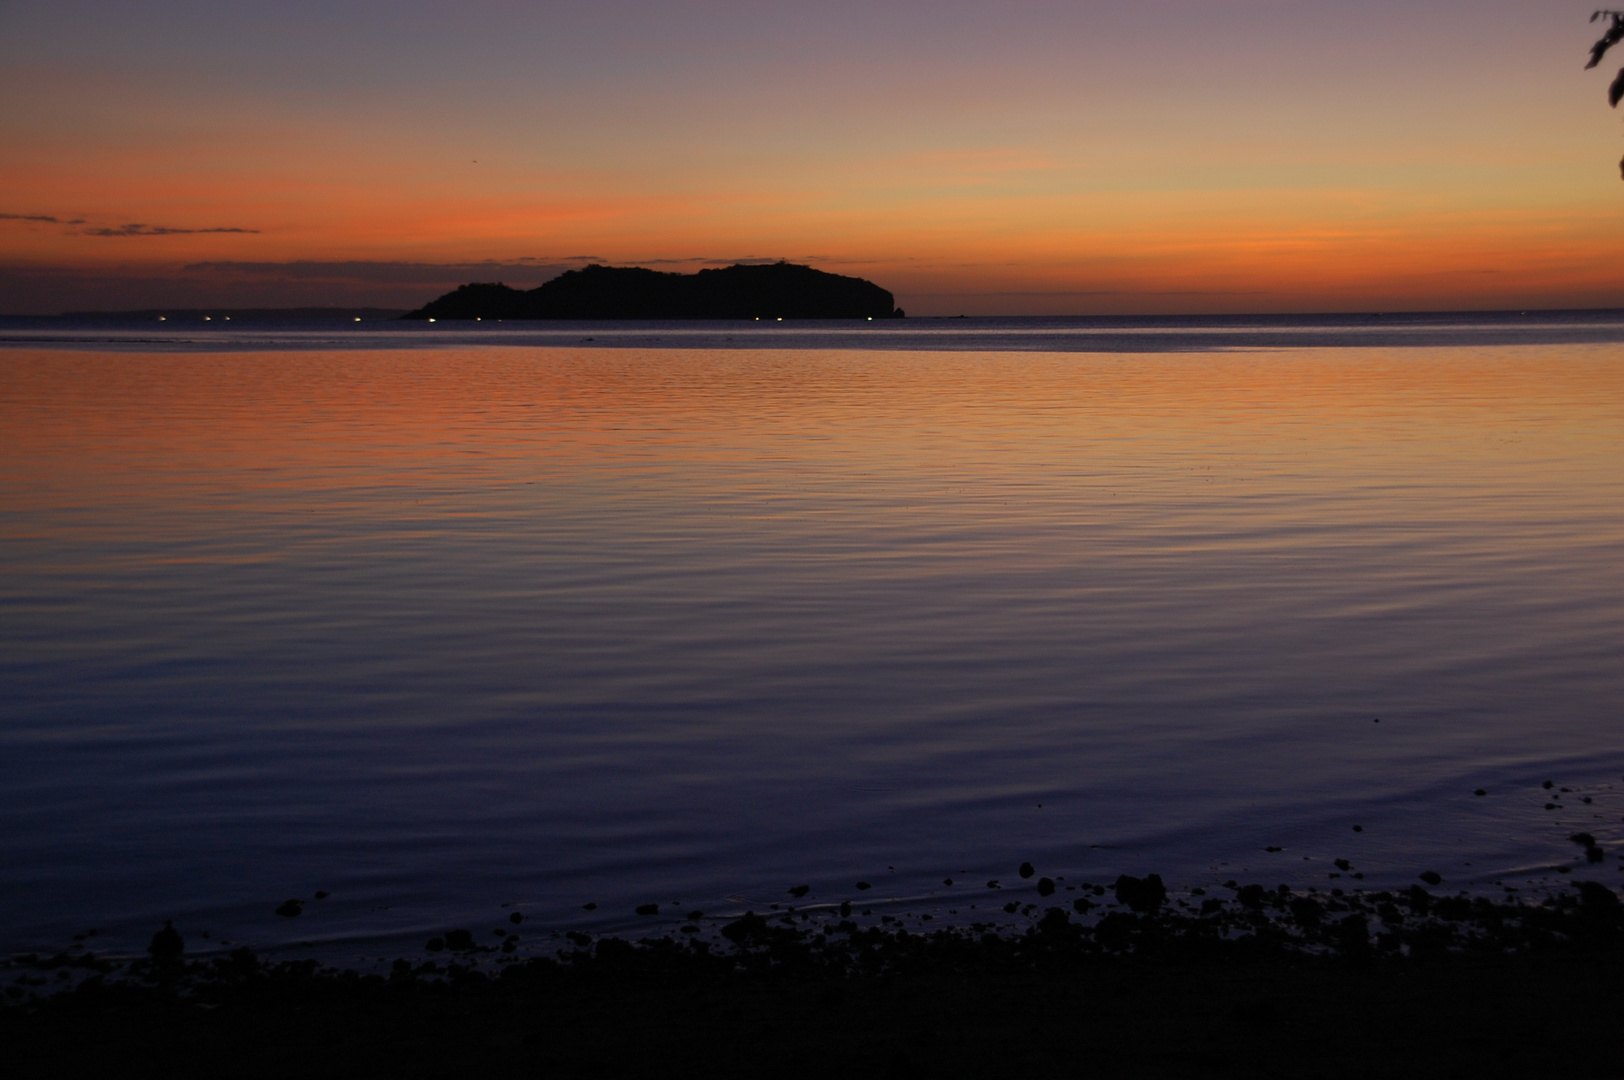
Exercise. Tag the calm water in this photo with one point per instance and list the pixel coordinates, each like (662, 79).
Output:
(439, 627)
(221, 331)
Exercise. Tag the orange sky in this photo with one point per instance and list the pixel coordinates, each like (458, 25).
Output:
(1235, 155)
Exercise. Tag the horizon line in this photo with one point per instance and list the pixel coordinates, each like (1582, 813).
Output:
(350, 309)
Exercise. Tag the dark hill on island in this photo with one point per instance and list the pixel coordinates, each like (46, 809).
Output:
(780, 290)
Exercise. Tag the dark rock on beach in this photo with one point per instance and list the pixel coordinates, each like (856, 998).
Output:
(1144, 895)
(1251, 897)
(166, 943)
(290, 909)
(1597, 899)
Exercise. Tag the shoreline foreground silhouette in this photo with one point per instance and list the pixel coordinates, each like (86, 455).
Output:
(774, 291)
(1256, 981)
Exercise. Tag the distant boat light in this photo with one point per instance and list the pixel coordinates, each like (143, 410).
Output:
(208, 318)
(358, 318)
(431, 319)
(160, 318)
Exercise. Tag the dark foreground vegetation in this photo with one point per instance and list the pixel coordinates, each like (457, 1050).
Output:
(776, 291)
(1255, 983)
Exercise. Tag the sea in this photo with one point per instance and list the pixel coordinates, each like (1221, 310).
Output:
(426, 626)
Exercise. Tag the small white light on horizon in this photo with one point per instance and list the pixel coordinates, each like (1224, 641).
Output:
(161, 318)
(358, 318)
(208, 318)
(431, 318)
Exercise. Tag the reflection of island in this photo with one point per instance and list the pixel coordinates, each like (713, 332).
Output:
(779, 290)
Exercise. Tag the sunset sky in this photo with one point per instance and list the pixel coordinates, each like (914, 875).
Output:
(1025, 157)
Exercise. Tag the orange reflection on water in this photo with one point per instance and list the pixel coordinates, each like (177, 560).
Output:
(465, 430)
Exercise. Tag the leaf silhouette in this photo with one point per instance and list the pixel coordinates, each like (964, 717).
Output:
(1614, 34)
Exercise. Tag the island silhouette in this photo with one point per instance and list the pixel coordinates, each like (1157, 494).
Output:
(779, 290)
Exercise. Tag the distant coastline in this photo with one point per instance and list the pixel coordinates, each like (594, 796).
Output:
(1329, 319)
(234, 329)
(773, 291)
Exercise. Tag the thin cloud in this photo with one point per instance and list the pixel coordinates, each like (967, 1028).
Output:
(137, 229)
(385, 272)
(1023, 292)
(709, 260)
(1091, 292)
(46, 218)
(378, 272)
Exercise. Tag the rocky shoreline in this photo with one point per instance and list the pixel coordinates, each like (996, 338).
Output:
(1397, 982)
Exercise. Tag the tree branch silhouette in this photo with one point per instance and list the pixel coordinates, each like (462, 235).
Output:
(1613, 35)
